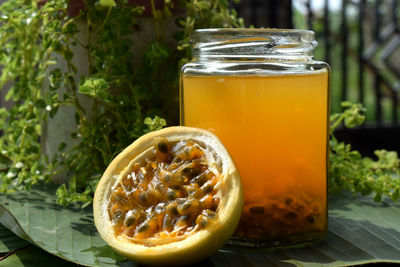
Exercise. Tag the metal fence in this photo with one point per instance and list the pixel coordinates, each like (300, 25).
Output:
(360, 38)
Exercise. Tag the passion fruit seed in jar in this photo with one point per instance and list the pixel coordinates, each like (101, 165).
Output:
(170, 195)
(281, 215)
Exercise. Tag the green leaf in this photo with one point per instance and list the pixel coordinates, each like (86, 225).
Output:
(84, 89)
(107, 3)
(55, 79)
(53, 111)
(154, 124)
(96, 87)
(33, 256)
(68, 54)
(62, 146)
(378, 197)
(396, 195)
(9, 241)
(353, 114)
(360, 231)
(40, 103)
(204, 4)
(70, 29)
(68, 233)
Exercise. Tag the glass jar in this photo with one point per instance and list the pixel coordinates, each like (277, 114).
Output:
(263, 95)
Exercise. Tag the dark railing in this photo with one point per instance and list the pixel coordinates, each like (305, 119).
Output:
(375, 54)
(361, 41)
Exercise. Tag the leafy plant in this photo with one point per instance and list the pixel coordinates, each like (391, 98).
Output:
(349, 170)
(127, 99)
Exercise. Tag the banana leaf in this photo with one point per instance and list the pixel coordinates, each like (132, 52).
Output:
(360, 231)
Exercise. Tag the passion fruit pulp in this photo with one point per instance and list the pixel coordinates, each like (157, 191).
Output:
(172, 197)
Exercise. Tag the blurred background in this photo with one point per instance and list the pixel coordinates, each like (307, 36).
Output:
(360, 39)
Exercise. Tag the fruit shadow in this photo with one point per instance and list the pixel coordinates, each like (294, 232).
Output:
(105, 254)
(337, 247)
(343, 200)
(23, 199)
(85, 224)
(38, 197)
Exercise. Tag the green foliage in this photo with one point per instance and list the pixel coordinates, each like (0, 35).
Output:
(131, 92)
(96, 88)
(154, 124)
(128, 99)
(28, 37)
(199, 16)
(349, 170)
(107, 3)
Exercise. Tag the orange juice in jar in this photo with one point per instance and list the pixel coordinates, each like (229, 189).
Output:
(262, 94)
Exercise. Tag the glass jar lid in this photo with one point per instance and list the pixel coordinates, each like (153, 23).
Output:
(253, 44)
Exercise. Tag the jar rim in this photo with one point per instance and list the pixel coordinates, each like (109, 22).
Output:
(257, 30)
(237, 32)
(256, 43)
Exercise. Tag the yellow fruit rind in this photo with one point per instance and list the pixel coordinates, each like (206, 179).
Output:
(194, 247)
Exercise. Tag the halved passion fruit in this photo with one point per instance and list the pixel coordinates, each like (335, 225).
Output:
(172, 197)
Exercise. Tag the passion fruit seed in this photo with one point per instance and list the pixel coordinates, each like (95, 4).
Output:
(215, 203)
(310, 219)
(157, 193)
(288, 200)
(200, 179)
(159, 208)
(182, 223)
(177, 179)
(162, 147)
(176, 160)
(143, 227)
(206, 201)
(207, 187)
(130, 221)
(172, 209)
(167, 223)
(144, 197)
(257, 210)
(193, 190)
(117, 196)
(283, 215)
(209, 213)
(117, 215)
(188, 206)
(201, 221)
(180, 203)
(186, 170)
(172, 194)
(291, 215)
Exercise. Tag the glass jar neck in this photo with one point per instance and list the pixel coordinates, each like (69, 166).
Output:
(253, 45)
